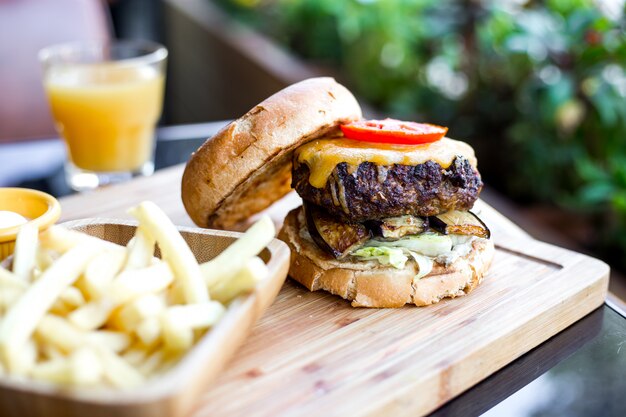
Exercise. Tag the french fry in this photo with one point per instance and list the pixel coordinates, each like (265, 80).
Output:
(25, 250)
(43, 259)
(86, 367)
(175, 250)
(253, 271)
(117, 371)
(24, 359)
(22, 318)
(195, 316)
(101, 271)
(140, 250)
(11, 280)
(93, 314)
(59, 239)
(227, 263)
(114, 341)
(170, 359)
(175, 294)
(136, 354)
(82, 368)
(151, 363)
(11, 288)
(178, 322)
(51, 352)
(60, 333)
(57, 371)
(60, 308)
(137, 310)
(8, 297)
(72, 297)
(177, 337)
(64, 336)
(128, 285)
(149, 331)
(137, 282)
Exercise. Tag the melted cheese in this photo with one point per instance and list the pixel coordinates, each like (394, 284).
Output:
(323, 155)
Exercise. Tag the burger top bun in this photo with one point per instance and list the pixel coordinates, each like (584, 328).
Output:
(246, 166)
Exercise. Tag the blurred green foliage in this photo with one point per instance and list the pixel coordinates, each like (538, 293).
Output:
(539, 87)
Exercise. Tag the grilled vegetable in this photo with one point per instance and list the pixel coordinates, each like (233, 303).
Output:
(335, 237)
(459, 223)
(397, 227)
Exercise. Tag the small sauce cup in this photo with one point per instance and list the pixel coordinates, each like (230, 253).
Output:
(39, 208)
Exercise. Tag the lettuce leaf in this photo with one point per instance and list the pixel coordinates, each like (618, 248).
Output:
(424, 263)
(429, 244)
(395, 257)
(383, 254)
(422, 248)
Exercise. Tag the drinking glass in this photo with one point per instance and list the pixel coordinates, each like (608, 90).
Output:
(106, 98)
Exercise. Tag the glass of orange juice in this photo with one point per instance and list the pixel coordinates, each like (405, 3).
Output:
(106, 98)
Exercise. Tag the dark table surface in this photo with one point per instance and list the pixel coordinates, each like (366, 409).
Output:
(580, 372)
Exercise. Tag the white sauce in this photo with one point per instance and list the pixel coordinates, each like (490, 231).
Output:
(11, 219)
(461, 246)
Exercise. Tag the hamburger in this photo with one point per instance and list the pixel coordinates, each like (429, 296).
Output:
(386, 216)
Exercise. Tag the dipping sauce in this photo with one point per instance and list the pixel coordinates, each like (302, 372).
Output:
(11, 219)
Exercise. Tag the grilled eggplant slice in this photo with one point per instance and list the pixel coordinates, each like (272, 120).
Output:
(459, 223)
(335, 237)
(397, 227)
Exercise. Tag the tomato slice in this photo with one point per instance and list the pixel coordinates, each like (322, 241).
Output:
(393, 131)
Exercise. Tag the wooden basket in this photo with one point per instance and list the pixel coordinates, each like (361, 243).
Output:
(174, 393)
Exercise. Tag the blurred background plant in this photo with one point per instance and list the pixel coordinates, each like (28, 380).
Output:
(538, 87)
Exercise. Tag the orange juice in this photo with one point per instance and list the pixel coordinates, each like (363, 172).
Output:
(106, 113)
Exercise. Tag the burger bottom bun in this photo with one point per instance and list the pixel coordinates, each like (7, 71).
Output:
(369, 284)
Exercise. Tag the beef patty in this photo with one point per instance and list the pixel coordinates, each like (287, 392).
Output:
(370, 192)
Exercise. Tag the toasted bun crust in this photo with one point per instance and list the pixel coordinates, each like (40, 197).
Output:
(246, 166)
(369, 284)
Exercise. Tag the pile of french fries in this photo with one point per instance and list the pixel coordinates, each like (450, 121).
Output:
(80, 311)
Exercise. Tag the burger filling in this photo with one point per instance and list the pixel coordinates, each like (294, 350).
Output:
(424, 249)
(390, 203)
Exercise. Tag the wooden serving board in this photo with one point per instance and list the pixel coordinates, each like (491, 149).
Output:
(312, 354)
